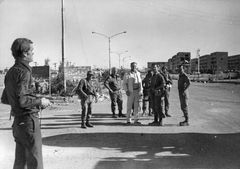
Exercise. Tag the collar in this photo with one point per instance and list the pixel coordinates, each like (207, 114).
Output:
(132, 71)
(24, 63)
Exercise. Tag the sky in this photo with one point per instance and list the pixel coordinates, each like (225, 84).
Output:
(156, 29)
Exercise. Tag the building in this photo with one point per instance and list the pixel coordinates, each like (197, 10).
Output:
(234, 63)
(178, 59)
(75, 73)
(160, 64)
(219, 62)
(194, 65)
(215, 62)
(205, 64)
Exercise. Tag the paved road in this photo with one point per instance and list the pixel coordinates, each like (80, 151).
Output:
(211, 141)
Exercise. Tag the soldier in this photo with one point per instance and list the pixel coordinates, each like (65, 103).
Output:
(168, 86)
(146, 83)
(157, 95)
(86, 93)
(183, 85)
(113, 84)
(132, 84)
(24, 107)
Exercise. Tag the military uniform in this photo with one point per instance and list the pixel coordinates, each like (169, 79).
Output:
(157, 94)
(113, 84)
(86, 94)
(18, 93)
(183, 84)
(146, 83)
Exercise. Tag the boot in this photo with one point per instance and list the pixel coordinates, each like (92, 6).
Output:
(120, 114)
(114, 115)
(160, 122)
(155, 122)
(88, 124)
(167, 115)
(185, 122)
(83, 125)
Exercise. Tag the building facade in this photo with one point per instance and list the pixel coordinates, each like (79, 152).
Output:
(160, 64)
(178, 59)
(194, 65)
(234, 63)
(211, 63)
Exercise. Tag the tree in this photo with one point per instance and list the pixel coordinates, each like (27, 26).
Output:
(46, 62)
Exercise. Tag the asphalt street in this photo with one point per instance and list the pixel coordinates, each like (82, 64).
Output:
(211, 141)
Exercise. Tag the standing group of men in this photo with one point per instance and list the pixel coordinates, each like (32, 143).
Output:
(154, 89)
(25, 106)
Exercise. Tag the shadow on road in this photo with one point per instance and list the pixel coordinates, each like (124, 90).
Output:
(155, 151)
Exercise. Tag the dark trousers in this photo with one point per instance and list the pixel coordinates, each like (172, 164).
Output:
(27, 135)
(166, 100)
(86, 105)
(183, 96)
(158, 108)
(146, 99)
(116, 99)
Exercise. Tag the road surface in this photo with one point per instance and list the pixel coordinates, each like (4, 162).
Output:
(211, 141)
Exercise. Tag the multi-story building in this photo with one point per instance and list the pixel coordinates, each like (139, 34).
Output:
(194, 65)
(204, 62)
(178, 59)
(215, 62)
(219, 62)
(161, 64)
(234, 63)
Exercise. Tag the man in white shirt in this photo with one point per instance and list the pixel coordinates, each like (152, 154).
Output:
(132, 84)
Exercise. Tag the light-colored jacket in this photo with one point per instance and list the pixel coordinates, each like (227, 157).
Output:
(129, 79)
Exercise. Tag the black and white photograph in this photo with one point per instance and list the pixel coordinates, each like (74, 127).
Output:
(119, 84)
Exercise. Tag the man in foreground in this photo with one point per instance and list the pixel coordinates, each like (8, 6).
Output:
(86, 93)
(18, 93)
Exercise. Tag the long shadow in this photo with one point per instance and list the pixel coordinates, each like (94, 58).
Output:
(156, 151)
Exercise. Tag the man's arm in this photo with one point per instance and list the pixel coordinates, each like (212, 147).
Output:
(187, 81)
(106, 84)
(4, 98)
(25, 97)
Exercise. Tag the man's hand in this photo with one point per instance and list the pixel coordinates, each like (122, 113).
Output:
(45, 103)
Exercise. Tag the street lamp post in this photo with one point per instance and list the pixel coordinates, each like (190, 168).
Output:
(125, 58)
(198, 56)
(109, 44)
(119, 56)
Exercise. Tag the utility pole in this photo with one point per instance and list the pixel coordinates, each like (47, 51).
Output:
(198, 56)
(63, 69)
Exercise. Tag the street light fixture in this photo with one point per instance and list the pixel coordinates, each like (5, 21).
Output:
(125, 58)
(119, 56)
(109, 43)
